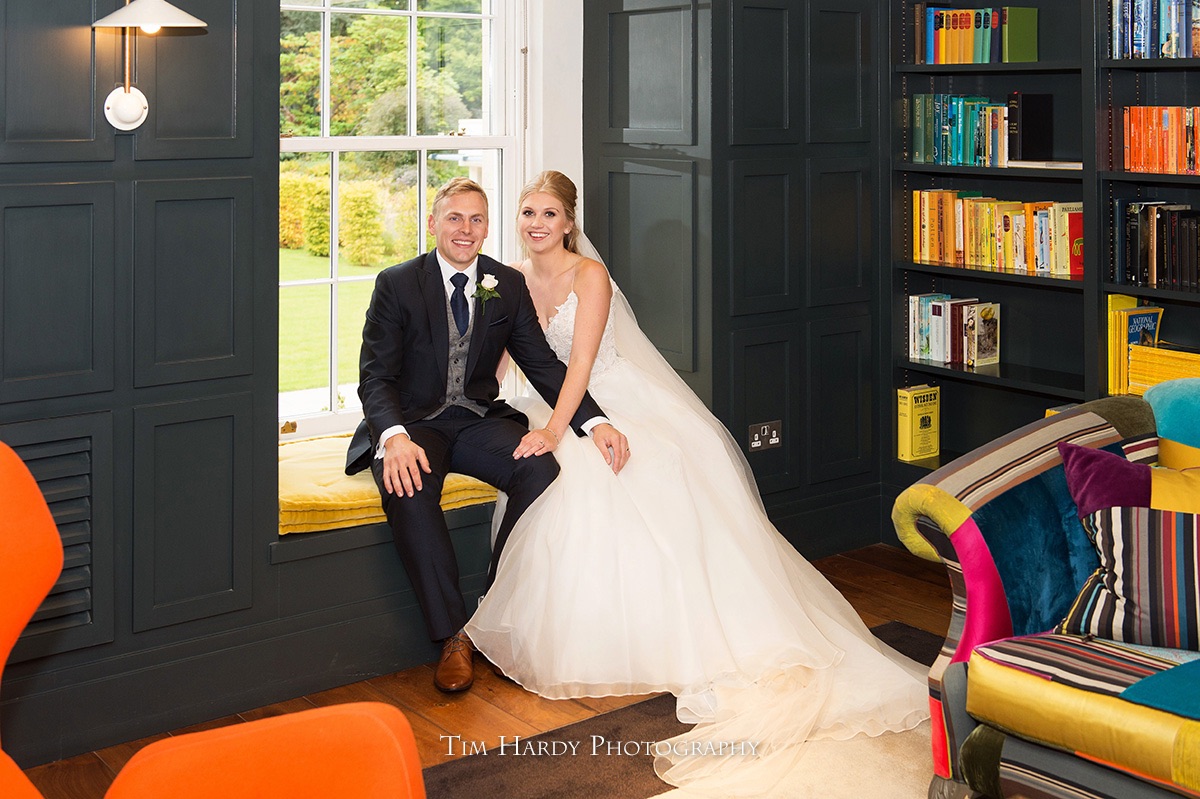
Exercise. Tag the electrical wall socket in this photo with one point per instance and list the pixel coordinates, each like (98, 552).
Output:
(766, 435)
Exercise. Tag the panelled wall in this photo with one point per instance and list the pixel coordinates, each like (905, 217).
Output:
(138, 355)
(731, 168)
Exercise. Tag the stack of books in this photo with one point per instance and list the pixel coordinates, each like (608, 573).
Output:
(1129, 324)
(1151, 365)
(991, 35)
(1155, 29)
(974, 130)
(1160, 138)
(1156, 243)
(944, 330)
(961, 228)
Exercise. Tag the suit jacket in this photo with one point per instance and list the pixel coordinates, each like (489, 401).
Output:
(406, 350)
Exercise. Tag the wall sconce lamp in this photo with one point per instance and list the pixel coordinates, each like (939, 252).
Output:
(126, 107)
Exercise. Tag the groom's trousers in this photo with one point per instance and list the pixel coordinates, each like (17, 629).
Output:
(482, 447)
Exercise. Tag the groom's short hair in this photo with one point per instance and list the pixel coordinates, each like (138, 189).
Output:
(459, 185)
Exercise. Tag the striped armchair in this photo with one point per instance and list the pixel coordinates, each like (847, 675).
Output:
(1018, 710)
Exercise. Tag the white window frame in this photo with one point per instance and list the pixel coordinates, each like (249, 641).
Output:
(506, 103)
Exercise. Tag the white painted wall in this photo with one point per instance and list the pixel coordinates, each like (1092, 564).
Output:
(554, 132)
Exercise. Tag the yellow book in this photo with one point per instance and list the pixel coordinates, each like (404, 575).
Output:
(917, 422)
(1116, 302)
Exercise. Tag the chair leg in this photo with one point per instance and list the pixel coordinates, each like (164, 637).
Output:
(942, 788)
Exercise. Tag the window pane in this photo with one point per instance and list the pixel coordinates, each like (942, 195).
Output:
(299, 73)
(303, 216)
(394, 5)
(303, 349)
(378, 213)
(368, 75)
(299, 3)
(458, 6)
(450, 76)
(353, 298)
(481, 166)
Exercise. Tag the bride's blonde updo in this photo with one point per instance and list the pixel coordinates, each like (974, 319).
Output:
(560, 187)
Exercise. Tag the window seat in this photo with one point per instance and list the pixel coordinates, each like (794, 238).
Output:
(315, 493)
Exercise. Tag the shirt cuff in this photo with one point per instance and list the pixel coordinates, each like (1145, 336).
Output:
(395, 429)
(590, 423)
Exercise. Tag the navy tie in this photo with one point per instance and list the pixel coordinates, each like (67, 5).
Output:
(458, 303)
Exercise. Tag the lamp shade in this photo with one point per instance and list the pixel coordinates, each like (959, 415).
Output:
(150, 14)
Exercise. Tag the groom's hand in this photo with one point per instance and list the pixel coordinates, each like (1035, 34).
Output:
(612, 445)
(403, 462)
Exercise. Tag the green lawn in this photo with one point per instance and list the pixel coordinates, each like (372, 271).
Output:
(304, 316)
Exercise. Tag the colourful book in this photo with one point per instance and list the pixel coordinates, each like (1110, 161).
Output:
(1019, 34)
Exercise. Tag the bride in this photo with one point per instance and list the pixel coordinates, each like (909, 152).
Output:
(668, 576)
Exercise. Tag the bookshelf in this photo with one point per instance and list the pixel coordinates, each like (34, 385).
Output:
(1049, 354)
(1124, 82)
(1053, 332)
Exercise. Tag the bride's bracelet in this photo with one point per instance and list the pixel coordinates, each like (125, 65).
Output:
(551, 432)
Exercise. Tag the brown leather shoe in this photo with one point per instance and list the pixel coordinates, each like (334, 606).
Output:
(455, 671)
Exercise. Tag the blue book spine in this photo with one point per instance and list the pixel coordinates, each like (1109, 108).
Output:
(930, 51)
(1140, 26)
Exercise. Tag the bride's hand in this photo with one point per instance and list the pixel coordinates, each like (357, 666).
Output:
(536, 442)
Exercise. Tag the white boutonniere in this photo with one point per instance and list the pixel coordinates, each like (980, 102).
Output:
(486, 289)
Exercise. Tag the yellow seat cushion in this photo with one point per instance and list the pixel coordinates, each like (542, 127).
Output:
(315, 493)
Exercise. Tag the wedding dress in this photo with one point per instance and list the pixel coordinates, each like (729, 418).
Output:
(670, 577)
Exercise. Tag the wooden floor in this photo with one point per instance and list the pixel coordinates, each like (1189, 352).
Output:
(881, 582)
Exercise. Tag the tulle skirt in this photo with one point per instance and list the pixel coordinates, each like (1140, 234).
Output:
(670, 577)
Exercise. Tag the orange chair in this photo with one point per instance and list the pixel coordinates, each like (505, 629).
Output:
(361, 750)
(31, 559)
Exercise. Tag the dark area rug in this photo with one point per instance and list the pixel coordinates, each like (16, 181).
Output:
(604, 756)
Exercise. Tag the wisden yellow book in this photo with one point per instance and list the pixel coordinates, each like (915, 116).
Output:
(917, 420)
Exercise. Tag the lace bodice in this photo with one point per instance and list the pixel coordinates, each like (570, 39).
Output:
(561, 330)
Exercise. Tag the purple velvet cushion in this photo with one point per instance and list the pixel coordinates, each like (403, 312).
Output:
(1099, 479)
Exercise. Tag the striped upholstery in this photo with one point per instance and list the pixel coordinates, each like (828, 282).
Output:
(1095, 665)
(1146, 590)
(1066, 692)
(934, 518)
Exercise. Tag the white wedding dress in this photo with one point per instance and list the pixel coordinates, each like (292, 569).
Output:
(670, 577)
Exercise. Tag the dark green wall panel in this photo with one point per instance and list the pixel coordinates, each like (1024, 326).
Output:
(56, 290)
(839, 399)
(765, 236)
(840, 222)
(192, 538)
(199, 85)
(764, 97)
(650, 249)
(765, 384)
(841, 75)
(193, 281)
(55, 76)
(650, 66)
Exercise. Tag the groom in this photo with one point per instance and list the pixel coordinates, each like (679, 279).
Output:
(428, 386)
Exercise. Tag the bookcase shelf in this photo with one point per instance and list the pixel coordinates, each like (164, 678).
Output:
(1072, 175)
(1164, 178)
(967, 69)
(1049, 382)
(1060, 282)
(1154, 294)
(1150, 64)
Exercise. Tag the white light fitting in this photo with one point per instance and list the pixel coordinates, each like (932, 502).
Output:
(126, 107)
